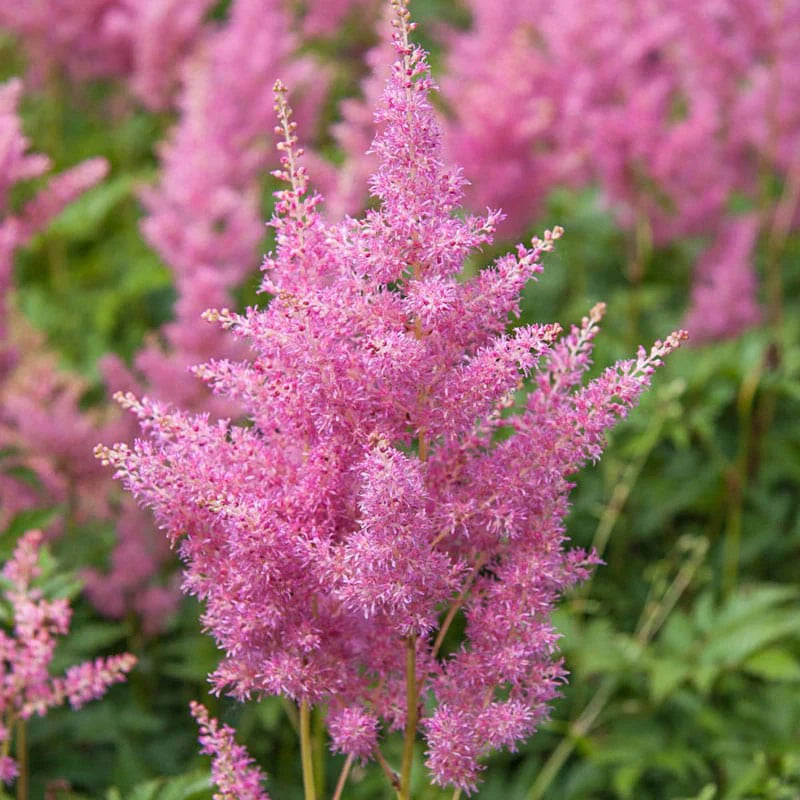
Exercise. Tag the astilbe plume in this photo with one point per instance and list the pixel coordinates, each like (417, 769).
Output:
(203, 220)
(626, 95)
(143, 41)
(42, 430)
(26, 685)
(368, 501)
(233, 770)
(17, 226)
(45, 434)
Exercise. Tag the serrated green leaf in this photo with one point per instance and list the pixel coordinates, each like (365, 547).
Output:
(191, 786)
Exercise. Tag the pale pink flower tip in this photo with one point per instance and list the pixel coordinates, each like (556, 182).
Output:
(232, 768)
(91, 680)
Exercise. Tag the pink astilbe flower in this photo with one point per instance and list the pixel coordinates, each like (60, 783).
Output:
(48, 435)
(232, 768)
(41, 424)
(145, 41)
(369, 502)
(26, 685)
(322, 17)
(723, 297)
(503, 96)
(16, 165)
(204, 221)
(626, 95)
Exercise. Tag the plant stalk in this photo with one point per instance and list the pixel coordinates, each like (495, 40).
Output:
(411, 717)
(306, 754)
(343, 775)
(22, 760)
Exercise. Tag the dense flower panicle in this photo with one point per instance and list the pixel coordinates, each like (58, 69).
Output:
(233, 770)
(369, 493)
(16, 165)
(353, 731)
(204, 221)
(42, 430)
(625, 95)
(145, 41)
(46, 433)
(26, 686)
(322, 17)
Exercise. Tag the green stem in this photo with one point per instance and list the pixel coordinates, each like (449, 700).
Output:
(22, 760)
(317, 748)
(411, 717)
(393, 777)
(342, 778)
(737, 476)
(306, 754)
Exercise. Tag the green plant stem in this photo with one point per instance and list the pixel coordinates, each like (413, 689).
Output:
(306, 754)
(342, 778)
(457, 794)
(393, 777)
(22, 760)
(291, 714)
(650, 623)
(737, 476)
(641, 248)
(318, 750)
(411, 717)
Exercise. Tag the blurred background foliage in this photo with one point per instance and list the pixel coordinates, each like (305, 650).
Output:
(683, 649)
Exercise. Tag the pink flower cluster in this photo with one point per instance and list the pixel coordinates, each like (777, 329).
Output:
(145, 41)
(370, 498)
(232, 769)
(671, 107)
(16, 165)
(203, 219)
(26, 685)
(40, 424)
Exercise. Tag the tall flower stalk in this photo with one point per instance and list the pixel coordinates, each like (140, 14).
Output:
(26, 685)
(387, 480)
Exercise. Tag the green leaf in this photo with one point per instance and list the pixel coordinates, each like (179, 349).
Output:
(191, 786)
(29, 519)
(81, 218)
(734, 644)
(665, 675)
(24, 475)
(773, 664)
